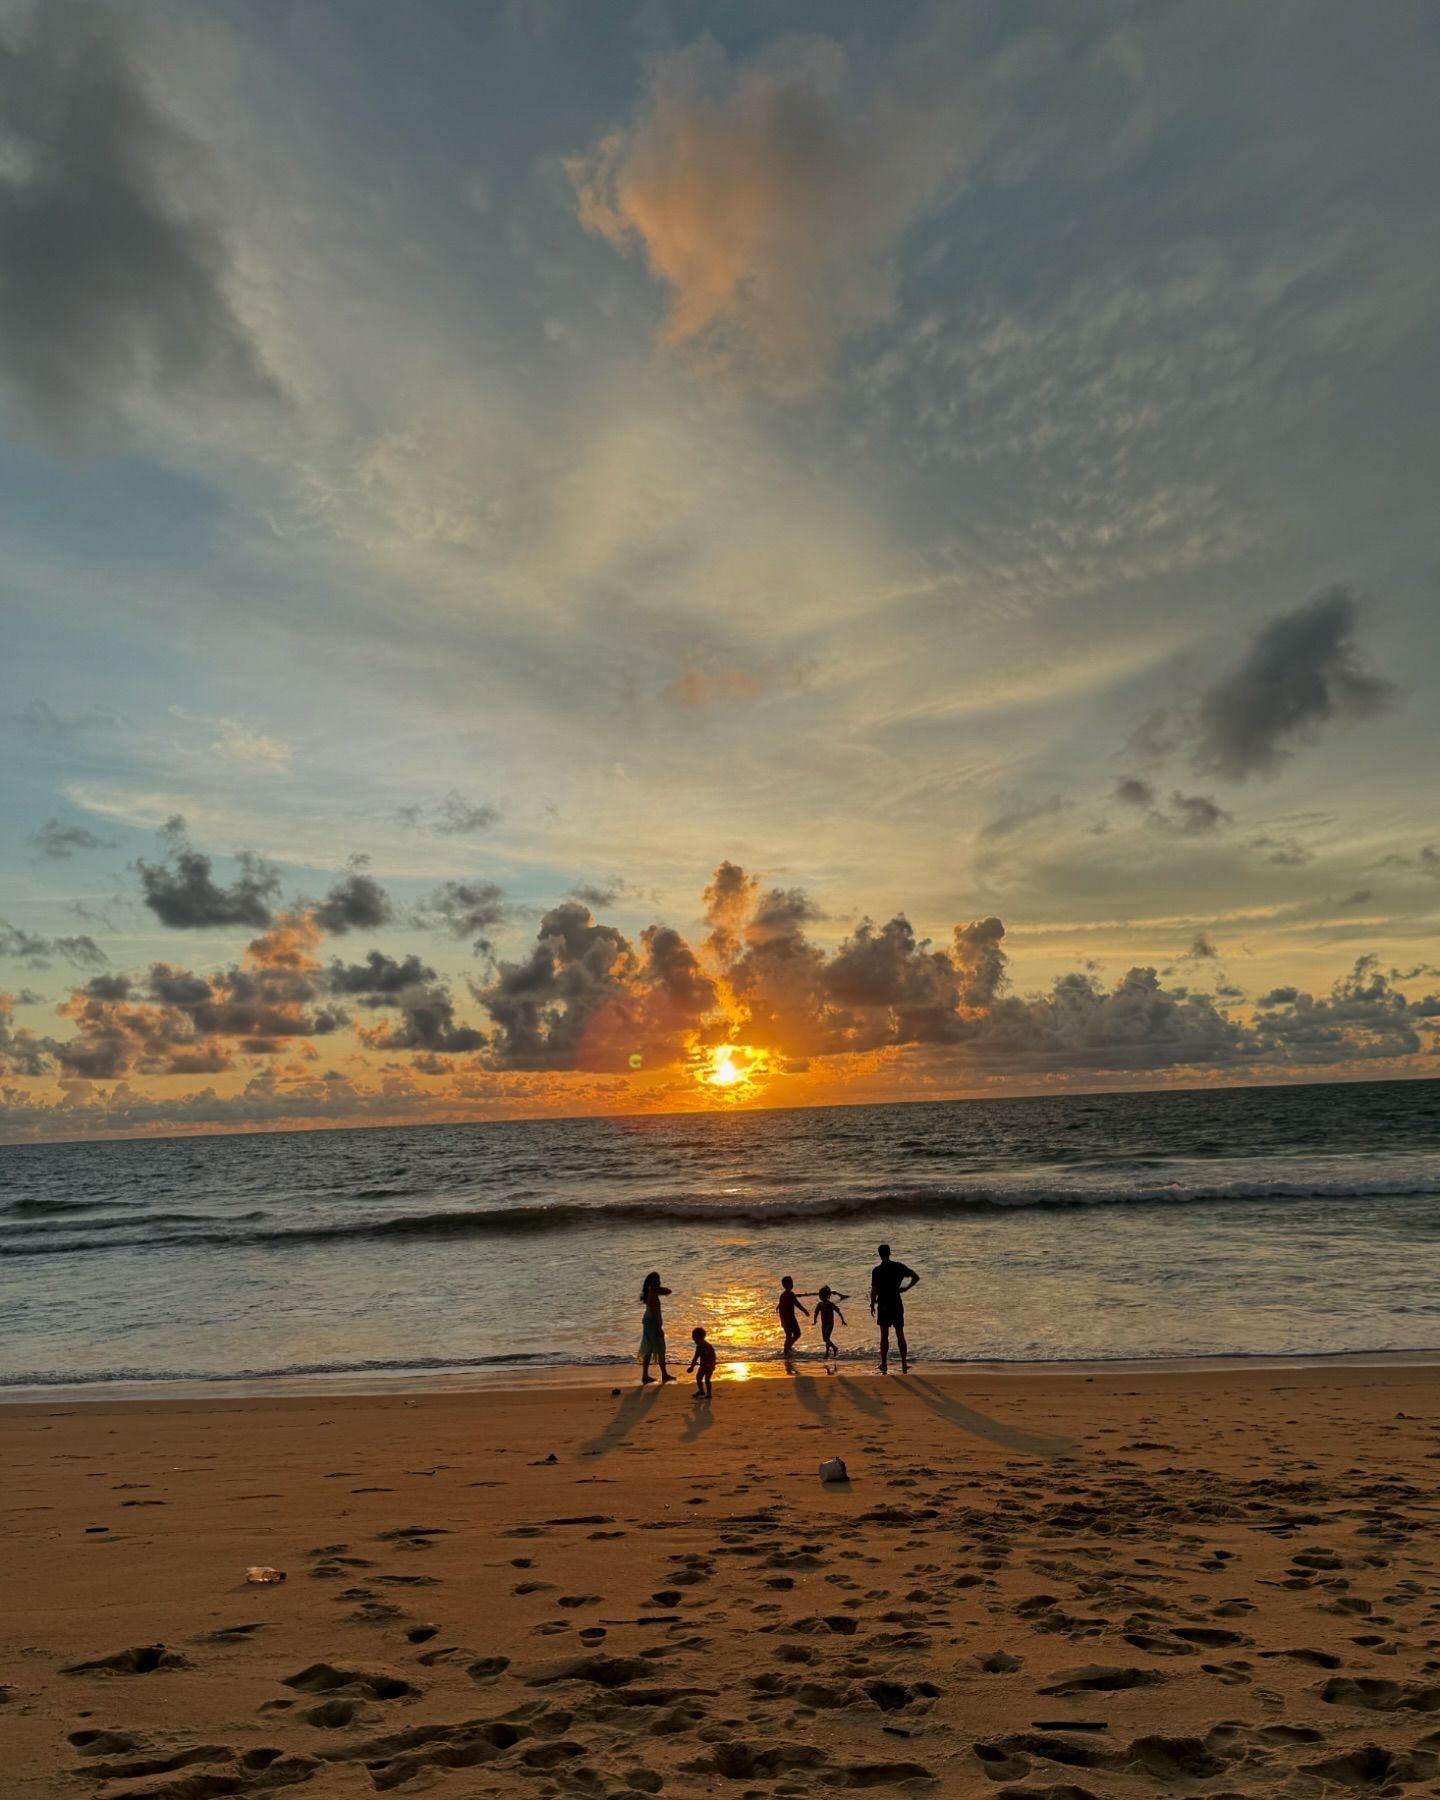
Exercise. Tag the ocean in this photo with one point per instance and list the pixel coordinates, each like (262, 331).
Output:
(1252, 1222)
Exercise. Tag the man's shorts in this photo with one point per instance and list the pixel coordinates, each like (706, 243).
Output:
(892, 1313)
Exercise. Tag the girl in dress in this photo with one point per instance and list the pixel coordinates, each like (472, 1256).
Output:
(652, 1335)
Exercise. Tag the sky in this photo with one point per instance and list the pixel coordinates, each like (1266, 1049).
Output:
(577, 557)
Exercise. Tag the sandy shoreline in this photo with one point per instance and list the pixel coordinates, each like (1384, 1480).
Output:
(1231, 1569)
(411, 1382)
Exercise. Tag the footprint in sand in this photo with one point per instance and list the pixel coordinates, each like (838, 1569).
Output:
(372, 1684)
(141, 1659)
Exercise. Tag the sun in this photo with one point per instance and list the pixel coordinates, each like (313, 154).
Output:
(732, 1071)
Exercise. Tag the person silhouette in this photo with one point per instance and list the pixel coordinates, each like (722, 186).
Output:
(889, 1281)
(652, 1335)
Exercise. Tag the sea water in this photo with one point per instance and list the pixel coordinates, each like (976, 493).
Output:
(1281, 1221)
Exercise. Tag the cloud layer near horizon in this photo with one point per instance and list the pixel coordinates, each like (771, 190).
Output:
(644, 1014)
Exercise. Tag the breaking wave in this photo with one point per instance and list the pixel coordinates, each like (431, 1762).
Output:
(186, 1230)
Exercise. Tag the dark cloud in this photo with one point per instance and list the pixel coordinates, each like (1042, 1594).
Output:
(599, 894)
(728, 897)
(1302, 671)
(37, 952)
(172, 1021)
(114, 284)
(1425, 861)
(426, 1009)
(586, 999)
(21, 1052)
(1187, 815)
(59, 842)
(1202, 949)
(182, 892)
(1364, 1016)
(1288, 853)
(1192, 815)
(1360, 897)
(378, 979)
(426, 1023)
(468, 910)
(357, 903)
(455, 816)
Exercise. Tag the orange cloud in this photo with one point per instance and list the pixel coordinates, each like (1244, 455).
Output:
(766, 198)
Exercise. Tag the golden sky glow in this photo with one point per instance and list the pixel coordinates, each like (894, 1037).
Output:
(806, 558)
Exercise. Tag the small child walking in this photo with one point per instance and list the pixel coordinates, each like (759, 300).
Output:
(826, 1313)
(703, 1363)
(787, 1307)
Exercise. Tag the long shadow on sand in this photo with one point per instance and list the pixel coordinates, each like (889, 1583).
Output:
(977, 1424)
(815, 1396)
(628, 1414)
(866, 1400)
(701, 1419)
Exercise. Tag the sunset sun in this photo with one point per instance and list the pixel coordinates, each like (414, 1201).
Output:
(734, 1071)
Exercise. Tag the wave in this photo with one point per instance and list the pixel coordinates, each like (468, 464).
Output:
(710, 1209)
(561, 1360)
(35, 1207)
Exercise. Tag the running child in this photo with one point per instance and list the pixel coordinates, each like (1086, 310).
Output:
(826, 1313)
(787, 1306)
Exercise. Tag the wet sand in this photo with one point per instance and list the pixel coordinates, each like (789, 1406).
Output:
(563, 1592)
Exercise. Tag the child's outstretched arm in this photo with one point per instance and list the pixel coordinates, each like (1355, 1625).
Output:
(839, 1315)
(804, 1309)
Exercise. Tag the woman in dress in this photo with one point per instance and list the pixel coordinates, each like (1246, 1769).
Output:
(652, 1335)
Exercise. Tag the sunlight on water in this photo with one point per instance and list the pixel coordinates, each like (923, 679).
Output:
(1129, 1225)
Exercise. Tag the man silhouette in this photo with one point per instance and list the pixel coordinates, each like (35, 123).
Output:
(889, 1280)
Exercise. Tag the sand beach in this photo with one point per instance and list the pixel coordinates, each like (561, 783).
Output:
(1036, 1582)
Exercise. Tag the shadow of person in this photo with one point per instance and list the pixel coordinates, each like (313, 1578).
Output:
(701, 1419)
(858, 1396)
(628, 1414)
(977, 1424)
(812, 1395)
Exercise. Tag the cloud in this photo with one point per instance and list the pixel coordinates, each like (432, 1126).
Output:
(701, 686)
(467, 909)
(182, 892)
(172, 1021)
(1008, 824)
(1363, 1016)
(1130, 790)
(1192, 815)
(58, 842)
(115, 281)
(36, 952)
(1302, 671)
(585, 998)
(597, 895)
(1288, 852)
(21, 1052)
(426, 1009)
(377, 980)
(41, 720)
(768, 197)
(455, 816)
(1425, 861)
(588, 1000)
(357, 903)
(240, 743)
